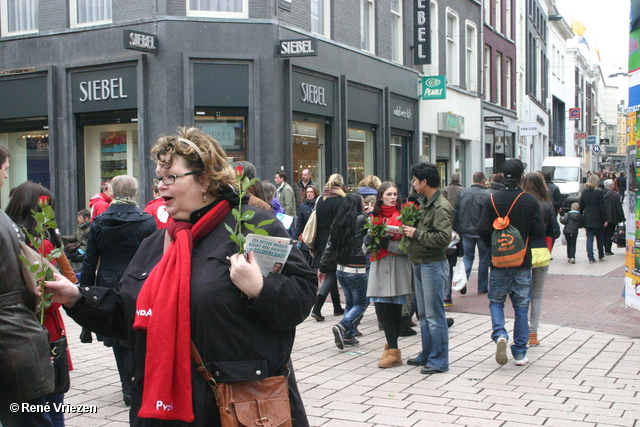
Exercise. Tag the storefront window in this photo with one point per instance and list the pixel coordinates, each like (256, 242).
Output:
(29, 160)
(229, 131)
(360, 155)
(114, 148)
(399, 163)
(308, 150)
(460, 158)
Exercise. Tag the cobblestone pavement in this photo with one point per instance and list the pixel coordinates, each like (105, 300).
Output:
(584, 373)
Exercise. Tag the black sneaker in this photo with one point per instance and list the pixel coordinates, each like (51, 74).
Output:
(319, 317)
(339, 312)
(351, 341)
(338, 334)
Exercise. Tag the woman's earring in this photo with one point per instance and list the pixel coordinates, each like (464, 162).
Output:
(204, 199)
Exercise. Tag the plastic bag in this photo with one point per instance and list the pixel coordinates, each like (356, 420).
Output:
(563, 239)
(459, 280)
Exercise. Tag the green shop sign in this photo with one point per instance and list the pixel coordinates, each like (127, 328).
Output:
(434, 87)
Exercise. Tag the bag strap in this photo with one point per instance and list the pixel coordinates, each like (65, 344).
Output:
(204, 371)
(512, 205)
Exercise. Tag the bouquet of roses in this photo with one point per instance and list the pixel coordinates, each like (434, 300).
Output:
(241, 218)
(377, 228)
(409, 214)
(45, 220)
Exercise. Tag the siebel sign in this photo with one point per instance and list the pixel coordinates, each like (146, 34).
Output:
(136, 40)
(297, 47)
(421, 32)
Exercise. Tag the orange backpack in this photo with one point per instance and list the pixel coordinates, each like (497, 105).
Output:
(508, 249)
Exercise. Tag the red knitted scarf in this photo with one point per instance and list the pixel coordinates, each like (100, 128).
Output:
(390, 213)
(163, 309)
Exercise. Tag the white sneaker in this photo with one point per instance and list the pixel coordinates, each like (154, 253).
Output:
(522, 362)
(501, 351)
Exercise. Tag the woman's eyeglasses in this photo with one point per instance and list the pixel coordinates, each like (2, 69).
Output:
(170, 179)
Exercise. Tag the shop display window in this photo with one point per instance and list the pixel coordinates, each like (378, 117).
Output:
(308, 149)
(29, 160)
(360, 155)
(110, 151)
(229, 131)
(399, 162)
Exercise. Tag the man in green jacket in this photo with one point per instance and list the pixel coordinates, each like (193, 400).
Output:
(429, 241)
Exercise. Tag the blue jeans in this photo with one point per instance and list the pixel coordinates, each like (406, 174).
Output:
(31, 419)
(430, 281)
(469, 243)
(598, 233)
(517, 284)
(354, 287)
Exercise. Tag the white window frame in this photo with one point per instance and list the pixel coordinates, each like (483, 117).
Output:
(432, 69)
(244, 14)
(452, 47)
(4, 20)
(487, 74)
(471, 60)
(73, 5)
(507, 19)
(487, 12)
(326, 18)
(507, 81)
(498, 26)
(499, 78)
(397, 45)
(370, 20)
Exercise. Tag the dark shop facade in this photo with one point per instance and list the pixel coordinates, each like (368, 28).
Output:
(80, 107)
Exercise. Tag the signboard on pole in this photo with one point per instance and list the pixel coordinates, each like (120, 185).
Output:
(434, 87)
(421, 32)
(574, 114)
(592, 139)
(528, 129)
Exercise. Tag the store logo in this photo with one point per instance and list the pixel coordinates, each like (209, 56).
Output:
(434, 87)
(405, 114)
(313, 94)
(101, 90)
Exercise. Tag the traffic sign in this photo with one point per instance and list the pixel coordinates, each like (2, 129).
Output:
(596, 148)
(574, 113)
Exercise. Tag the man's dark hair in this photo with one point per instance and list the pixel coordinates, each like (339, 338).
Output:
(104, 186)
(427, 171)
(282, 174)
(84, 213)
(547, 175)
(478, 177)
(4, 154)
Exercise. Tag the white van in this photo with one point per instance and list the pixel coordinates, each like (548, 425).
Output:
(566, 173)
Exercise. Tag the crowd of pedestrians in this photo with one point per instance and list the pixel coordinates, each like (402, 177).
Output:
(158, 281)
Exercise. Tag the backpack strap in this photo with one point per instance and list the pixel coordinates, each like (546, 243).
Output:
(512, 205)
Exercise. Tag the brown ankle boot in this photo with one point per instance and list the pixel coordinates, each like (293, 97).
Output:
(391, 359)
(533, 340)
(385, 351)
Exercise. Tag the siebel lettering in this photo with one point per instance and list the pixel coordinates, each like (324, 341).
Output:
(101, 90)
(313, 94)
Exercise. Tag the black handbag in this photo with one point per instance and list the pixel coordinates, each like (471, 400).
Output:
(60, 365)
(619, 236)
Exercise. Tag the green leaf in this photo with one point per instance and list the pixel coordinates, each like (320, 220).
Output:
(253, 181)
(48, 274)
(245, 184)
(247, 215)
(241, 238)
(250, 227)
(260, 232)
(236, 214)
(229, 229)
(234, 238)
(34, 268)
(265, 222)
(38, 228)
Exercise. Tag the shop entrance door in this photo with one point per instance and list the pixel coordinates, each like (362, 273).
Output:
(309, 142)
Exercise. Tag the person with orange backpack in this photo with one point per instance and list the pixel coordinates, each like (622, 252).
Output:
(510, 220)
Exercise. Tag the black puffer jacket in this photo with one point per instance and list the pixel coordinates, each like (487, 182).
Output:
(571, 221)
(25, 358)
(114, 238)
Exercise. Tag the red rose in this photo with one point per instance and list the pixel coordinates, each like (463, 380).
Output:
(377, 220)
(239, 171)
(43, 201)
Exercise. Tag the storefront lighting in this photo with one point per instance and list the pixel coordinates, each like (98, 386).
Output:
(200, 113)
(135, 119)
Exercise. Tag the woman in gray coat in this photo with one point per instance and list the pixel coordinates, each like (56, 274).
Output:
(389, 275)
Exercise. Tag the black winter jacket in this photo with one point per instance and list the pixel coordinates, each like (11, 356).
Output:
(238, 339)
(356, 257)
(525, 216)
(26, 371)
(326, 211)
(613, 208)
(469, 209)
(572, 222)
(592, 208)
(114, 238)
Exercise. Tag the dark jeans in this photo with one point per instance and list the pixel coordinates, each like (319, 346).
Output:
(330, 285)
(609, 231)
(9, 418)
(124, 362)
(598, 233)
(572, 240)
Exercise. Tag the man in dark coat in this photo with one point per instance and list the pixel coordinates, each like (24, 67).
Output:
(613, 213)
(554, 191)
(453, 190)
(114, 238)
(25, 357)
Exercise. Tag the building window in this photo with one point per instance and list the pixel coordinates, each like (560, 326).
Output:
(498, 26)
(229, 131)
(432, 69)
(19, 16)
(218, 8)
(472, 57)
(487, 12)
(453, 49)
(507, 82)
(320, 17)
(367, 26)
(507, 18)
(499, 78)
(360, 154)
(396, 31)
(90, 12)
(487, 74)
